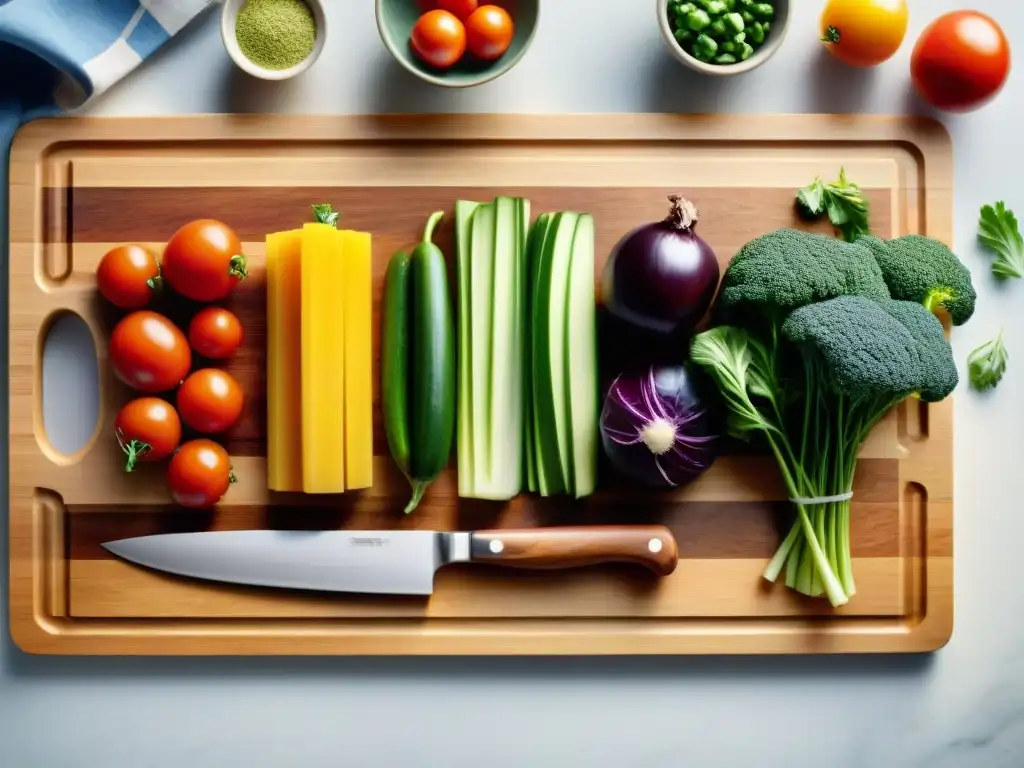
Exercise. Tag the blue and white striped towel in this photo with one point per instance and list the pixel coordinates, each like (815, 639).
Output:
(56, 55)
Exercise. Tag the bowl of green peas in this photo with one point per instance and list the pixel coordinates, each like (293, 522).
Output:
(723, 37)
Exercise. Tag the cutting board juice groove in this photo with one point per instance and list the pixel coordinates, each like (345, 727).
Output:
(81, 186)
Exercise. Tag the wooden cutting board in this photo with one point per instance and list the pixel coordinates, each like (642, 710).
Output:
(80, 186)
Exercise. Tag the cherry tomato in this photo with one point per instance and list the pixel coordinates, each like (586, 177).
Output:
(199, 474)
(215, 333)
(461, 9)
(148, 429)
(489, 32)
(864, 33)
(438, 39)
(210, 400)
(128, 276)
(961, 61)
(203, 260)
(148, 352)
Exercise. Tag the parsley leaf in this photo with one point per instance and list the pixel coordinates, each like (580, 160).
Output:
(325, 214)
(998, 231)
(987, 364)
(843, 200)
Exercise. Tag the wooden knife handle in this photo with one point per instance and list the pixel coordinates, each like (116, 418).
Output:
(652, 546)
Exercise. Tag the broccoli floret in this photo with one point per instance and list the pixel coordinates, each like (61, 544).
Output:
(884, 349)
(936, 366)
(921, 269)
(786, 269)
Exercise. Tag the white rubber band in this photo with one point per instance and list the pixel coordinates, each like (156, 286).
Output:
(824, 499)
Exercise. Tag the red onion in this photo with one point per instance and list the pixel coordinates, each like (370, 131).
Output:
(655, 427)
(662, 276)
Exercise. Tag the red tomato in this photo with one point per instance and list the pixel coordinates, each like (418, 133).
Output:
(215, 333)
(438, 39)
(489, 32)
(199, 474)
(961, 61)
(148, 429)
(461, 9)
(148, 352)
(128, 276)
(203, 260)
(210, 400)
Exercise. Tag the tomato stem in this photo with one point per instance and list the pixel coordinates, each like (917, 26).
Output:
(156, 284)
(831, 35)
(238, 267)
(134, 449)
(231, 476)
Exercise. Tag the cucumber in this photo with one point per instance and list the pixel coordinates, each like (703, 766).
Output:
(581, 360)
(550, 417)
(493, 297)
(481, 284)
(418, 363)
(522, 208)
(505, 429)
(394, 340)
(561, 248)
(432, 380)
(534, 244)
(463, 231)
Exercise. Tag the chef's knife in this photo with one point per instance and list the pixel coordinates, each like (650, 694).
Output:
(388, 562)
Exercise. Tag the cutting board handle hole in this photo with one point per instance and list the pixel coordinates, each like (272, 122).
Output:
(68, 387)
(912, 423)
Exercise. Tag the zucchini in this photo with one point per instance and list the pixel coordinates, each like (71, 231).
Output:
(541, 408)
(549, 312)
(394, 374)
(555, 307)
(492, 327)
(534, 244)
(481, 282)
(418, 364)
(463, 232)
(581, 360)
(505, 391)
(432, 363)
(563, 358)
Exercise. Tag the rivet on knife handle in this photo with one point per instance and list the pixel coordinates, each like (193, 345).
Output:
(652, 546)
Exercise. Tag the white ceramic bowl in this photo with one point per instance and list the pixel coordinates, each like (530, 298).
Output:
(228, 14)
(771, 44)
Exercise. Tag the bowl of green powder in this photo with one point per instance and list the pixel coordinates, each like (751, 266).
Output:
(273, 39)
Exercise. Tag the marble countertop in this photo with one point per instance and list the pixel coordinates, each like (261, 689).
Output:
(962, 706)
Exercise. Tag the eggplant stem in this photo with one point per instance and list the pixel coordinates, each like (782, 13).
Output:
(683, 214)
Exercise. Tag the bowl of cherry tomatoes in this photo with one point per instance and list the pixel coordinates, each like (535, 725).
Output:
(457, 43)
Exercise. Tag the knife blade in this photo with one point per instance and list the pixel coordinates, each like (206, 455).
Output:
(388, 562)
